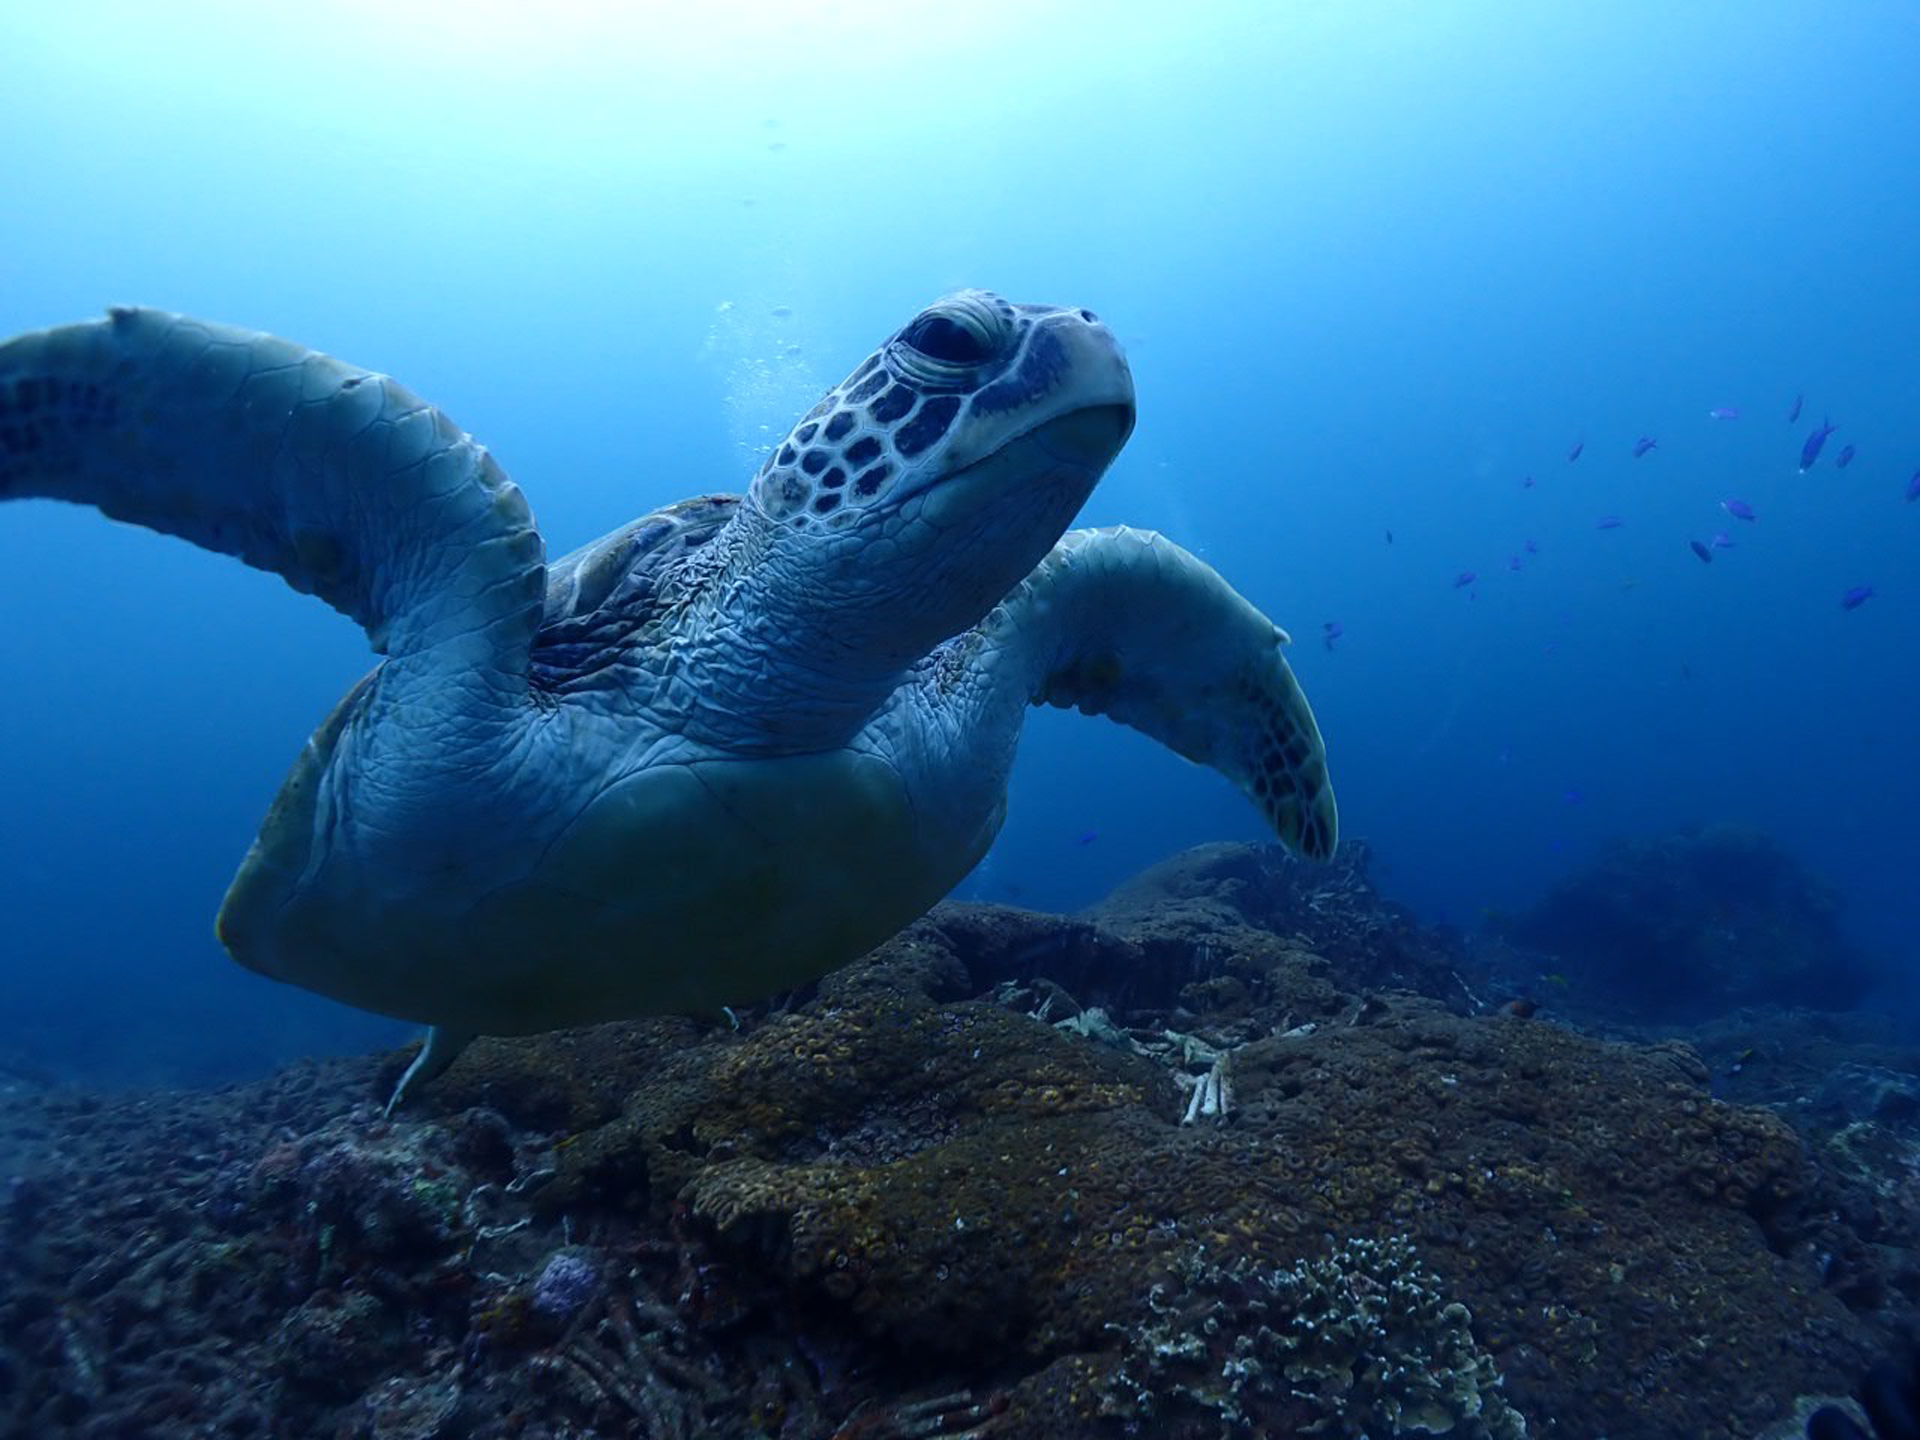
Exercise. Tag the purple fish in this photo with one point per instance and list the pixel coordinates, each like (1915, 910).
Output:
(1087, 837)
(1513, 562)
(1706, 555)
(1794, 413)
(1913, 488)
(1721, 540)
(1642, 445)
(1334, 630)
(1739, 509)
(1574, 453)
(1810, 451)
(1527, 483)
(1464, 579)
(1610, 522)
(1856, 597)
(1844, 458)
(1724, 412)
(1532, 547)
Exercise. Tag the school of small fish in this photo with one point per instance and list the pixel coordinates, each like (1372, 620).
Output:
(1811, 449)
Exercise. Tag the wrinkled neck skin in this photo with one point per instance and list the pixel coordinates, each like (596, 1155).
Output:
(795, 640)
(781, 655)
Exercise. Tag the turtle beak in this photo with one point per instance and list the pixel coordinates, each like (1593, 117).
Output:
(1087, 438)
(1033, 485)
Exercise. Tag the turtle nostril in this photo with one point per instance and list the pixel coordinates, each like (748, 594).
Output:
(1089, 317)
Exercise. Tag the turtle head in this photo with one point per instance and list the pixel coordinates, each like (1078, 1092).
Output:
(933, 478)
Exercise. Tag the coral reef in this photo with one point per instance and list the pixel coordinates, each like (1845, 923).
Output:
(1361, 1341)
(1695, 924)
(1239, 1152)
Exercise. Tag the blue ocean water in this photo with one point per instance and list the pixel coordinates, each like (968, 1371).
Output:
(1375, 265)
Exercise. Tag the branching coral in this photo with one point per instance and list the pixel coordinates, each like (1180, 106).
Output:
(1361, 1342)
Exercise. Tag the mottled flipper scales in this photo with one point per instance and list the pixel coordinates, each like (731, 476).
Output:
(1125, 623)
(339, 480)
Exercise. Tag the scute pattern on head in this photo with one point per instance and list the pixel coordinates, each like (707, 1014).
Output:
(854, 446)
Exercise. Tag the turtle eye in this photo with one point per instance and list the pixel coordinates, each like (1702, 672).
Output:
(940, 337)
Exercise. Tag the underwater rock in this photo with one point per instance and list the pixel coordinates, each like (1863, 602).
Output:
(1690, 925)
(411, 1408)
(1210, 891)
(334, 1345)
(1872, 1092)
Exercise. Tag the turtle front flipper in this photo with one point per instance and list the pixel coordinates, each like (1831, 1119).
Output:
(339, 480)
(1125, 623)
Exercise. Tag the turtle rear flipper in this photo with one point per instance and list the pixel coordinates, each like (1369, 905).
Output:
(439, 1050)
(1127, 624)
(341, 481)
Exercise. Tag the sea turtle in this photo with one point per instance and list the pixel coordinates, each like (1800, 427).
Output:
(718, 752)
